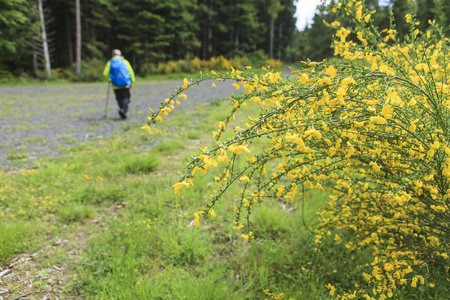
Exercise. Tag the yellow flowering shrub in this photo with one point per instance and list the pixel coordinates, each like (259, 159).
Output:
(215, 63)
(371, 129)
(274, 63)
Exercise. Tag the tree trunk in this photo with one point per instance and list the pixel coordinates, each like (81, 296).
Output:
(35, 63)
(280, 36)
(78, 37)
(69, 41)
(272, 29)
(94, 40)
(48, 67)
(210, 35)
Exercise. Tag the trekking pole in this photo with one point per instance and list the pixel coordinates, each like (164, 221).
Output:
(107, 98)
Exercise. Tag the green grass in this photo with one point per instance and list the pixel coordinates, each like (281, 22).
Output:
(36, 140)
(169, 147)
(112, 200)
(141, 164)
(16, 154)
(193, 135)
(16, 237)
(75, 213)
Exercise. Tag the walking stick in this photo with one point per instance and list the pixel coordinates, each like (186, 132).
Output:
(107, 98)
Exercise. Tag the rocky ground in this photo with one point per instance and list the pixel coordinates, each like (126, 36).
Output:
(39, 121)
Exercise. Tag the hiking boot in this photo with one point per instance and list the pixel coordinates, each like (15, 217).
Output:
(122, 114)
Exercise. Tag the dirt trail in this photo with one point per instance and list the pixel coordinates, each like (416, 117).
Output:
(38, 120)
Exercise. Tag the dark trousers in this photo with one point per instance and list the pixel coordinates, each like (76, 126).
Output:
(123, 98)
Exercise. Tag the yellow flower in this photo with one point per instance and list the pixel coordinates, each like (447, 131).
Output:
(412, 102)
(414, 282)
(348, 80)
(213, 85)
(222, 156)
(313, 132)
(221, 125)
(182, 95)
(245, 237)
(337, 238)
(435, 145)
(179, 185)
(336, 24)
(359, 124)
(332, 289)
(236, 86)
(384, 68)
(238, 149)
(331, 71)
(209, 161)
(186, 83)
(146, 127)
(375, 166)
(421, 66)
(239, 225)
(387, 111)
(408, 18)
(358, 15)
(378, 120)
(197, 217)
(244, 178)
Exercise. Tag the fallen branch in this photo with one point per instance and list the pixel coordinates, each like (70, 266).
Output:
(21, 296)
(3, 273)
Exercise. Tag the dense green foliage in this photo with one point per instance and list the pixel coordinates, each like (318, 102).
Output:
(314, 42)
(147, 31)
(151, 32)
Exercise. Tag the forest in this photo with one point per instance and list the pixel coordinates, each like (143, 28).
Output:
(41, 35)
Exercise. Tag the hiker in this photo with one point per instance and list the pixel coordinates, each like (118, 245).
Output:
(119, 71)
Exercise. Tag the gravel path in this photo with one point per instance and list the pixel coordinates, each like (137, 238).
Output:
(37, 120)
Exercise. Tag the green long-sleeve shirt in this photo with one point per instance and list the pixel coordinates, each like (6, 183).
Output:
(130, 70)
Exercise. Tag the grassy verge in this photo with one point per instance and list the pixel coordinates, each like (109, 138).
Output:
(102, 222)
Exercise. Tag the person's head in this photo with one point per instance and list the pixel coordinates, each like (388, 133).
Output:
(116, 52)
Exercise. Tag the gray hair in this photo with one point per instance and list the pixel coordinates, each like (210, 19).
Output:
(116, 52)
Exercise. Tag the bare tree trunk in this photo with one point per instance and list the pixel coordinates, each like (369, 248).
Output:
(78, 37)
(94, 40)
(272, 28)
(280, 35)
(48, 67)
(35, 63)
(69, 41)
(210, 35)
